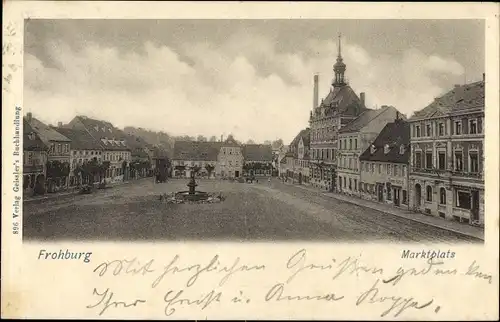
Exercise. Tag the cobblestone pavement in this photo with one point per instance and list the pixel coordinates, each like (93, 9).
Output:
(261, 211)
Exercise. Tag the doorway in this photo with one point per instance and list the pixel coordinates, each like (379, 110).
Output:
(397, 200)
(418, 196)
(380, 191)
(236, 174)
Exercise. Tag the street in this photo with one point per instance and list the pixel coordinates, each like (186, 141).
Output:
(264, 211)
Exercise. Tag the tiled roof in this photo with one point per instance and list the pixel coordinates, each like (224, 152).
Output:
(196, 151)
(363, 119)
(110, 137)
(257, 152)
(341, 100)
(394, 135)
(462, 97)
(31, 140)
(80, 139)
(46, 133)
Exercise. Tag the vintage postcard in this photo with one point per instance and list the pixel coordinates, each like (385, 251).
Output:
(245, 161)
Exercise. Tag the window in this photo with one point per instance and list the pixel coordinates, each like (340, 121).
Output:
(380, 168)
(405, 197)
(463, 199)
(458, 161)
(441, 129)
(404, 171)
(474, 162)
(350, 184)
(418, 160)
(59, 148)
(428, 130)
(328, 153)
(472, 127)
(373, 167)
(350, 144)
(441, 161)
(428, 160)
(396, 170)
(389, 194)
(458, 128)
(345, 180)
(429, 193)
(356, 144)
(402, 149)
(30, 157)
(355, 184)
(442, 196)
(417, 130)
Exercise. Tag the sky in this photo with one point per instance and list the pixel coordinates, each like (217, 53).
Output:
(249, 78)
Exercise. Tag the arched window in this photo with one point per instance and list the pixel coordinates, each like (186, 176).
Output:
(442, 196)
(429, 193)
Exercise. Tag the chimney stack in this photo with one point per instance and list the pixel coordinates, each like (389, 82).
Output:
(484, 77)
(362, 97)
(29, 117)
(316, 89)
(59, 124)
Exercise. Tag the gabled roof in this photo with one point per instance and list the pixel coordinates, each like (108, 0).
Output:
(111, 138)
(230, 142)
(363, 120)
(46, 133)
(393, 135)
(462, 97)
(196, 151)
(257, 152)
(80, 139)
(341, 100)
(31, 139)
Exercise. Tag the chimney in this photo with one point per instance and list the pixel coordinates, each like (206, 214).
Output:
(59, 124)
(362, 97)
(316, 89)
(483, 77)
(29, 117)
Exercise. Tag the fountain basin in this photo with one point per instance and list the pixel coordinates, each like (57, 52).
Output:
(189, 196)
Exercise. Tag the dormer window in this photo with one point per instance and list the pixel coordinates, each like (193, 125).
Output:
(402, 149)
(372, 149)
(386, 148)
(31, 136)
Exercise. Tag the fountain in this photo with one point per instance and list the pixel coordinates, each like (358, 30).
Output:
(192, 194)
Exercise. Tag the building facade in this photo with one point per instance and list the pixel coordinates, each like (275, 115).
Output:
(447, 163)
(339, 107)
(34, 161)
(84, 150)
(298, 158)
(58, 157)
(384, 166)
(230, 159)
(115, 150)
(353, 139)
(257, 160)
(200, 157)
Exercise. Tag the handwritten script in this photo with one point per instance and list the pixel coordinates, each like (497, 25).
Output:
(212, 284)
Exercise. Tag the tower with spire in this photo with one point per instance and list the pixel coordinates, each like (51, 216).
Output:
(339, 67)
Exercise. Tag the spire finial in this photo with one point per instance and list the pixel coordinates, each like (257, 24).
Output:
(340, 45)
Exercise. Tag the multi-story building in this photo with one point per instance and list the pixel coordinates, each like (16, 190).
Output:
(230, 159)
(299, 158)
(384, 166)
(447, 163)
(34, 161)
(115, 149)
(353, 139)
(257, 160)
(141, 164)
(58, 158)
(340, 107)
(195, 155)
(84, 149)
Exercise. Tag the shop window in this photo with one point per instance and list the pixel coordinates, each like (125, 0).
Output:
(463, 200)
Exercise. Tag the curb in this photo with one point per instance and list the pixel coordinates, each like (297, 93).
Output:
(394, 214)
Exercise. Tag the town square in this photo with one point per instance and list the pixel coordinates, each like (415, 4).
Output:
(170, 139)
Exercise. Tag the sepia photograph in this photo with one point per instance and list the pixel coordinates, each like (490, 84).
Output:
(250, 160)
(336, 130)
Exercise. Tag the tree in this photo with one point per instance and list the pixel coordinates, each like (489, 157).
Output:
(210, 168)
(201, 138)
(250, 141)
(213, 138)
(267, 142)
(277, 143)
